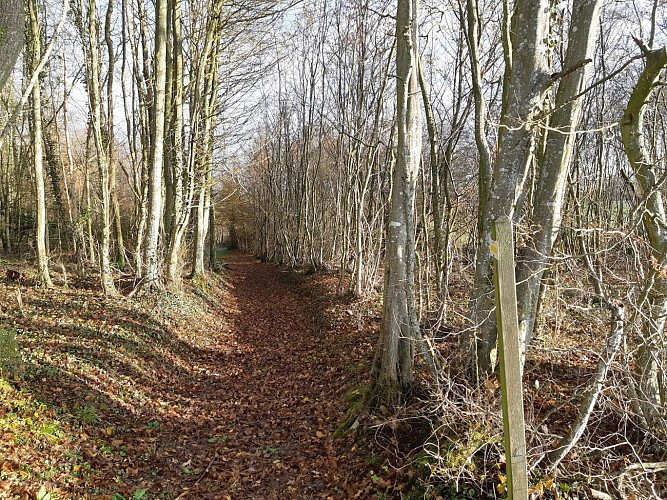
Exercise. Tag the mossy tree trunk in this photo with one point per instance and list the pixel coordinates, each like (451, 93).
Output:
(649, 366)
(526, 82)
(555, 165)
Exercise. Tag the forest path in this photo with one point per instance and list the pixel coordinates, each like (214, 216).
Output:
(232, 389)
(270, 394)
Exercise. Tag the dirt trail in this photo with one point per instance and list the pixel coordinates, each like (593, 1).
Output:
(269, 396)
(233, 394)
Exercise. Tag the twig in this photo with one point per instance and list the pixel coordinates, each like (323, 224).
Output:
(572, 69)
(201, 476)
(646, 467)
(614, 341)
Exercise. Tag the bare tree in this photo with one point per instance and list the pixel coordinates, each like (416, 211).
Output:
(527, 80)
(38, 148)
(650, 370)
(393, 366)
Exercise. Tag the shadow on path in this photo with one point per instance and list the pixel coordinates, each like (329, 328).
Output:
(275, 388)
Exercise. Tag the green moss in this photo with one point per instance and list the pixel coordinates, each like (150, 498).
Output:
(5, 387)
(10, 359)
(355, 398)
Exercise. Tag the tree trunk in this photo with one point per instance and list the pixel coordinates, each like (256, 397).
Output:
(209, 99)
(111, 146)
(92, 50)
(483, 150)
(144, 94)
(73, 202)
(181, 200)
(38, 152)
(548, 203)
(211, 235)
(152, 259)
(650, 373)
(524, 91)
(90, 241)
(202, 103)
(393, 366)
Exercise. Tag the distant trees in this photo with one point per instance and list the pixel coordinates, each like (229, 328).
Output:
(148, 153)
(321, 170)
(547, 85)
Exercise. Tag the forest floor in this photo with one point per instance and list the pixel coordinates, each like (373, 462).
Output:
(232, 389)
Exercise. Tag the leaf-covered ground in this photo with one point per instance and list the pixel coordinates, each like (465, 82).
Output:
(233, 389)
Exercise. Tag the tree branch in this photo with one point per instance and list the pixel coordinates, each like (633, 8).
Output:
(572, 69)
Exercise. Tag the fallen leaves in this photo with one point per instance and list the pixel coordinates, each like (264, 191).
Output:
(234, 394)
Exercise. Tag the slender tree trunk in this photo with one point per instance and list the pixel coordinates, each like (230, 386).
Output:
(650, 372)
(206, 170)
(201, 223)
(181, 204)
(92, 50)
(201, 134)
(73, 202)
(152, 260)
(144, 92)
(111, 147)
(393, 368)
(548, 203)
(211, 236)
(38, 151)
(473, 34)
(89, 208)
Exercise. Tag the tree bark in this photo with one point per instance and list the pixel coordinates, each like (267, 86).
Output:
(649, 369)
(12, 24)
(524, 92)
(393, 367)
(152, 259)
(533, 259)
(182, 199)
(38, 151)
